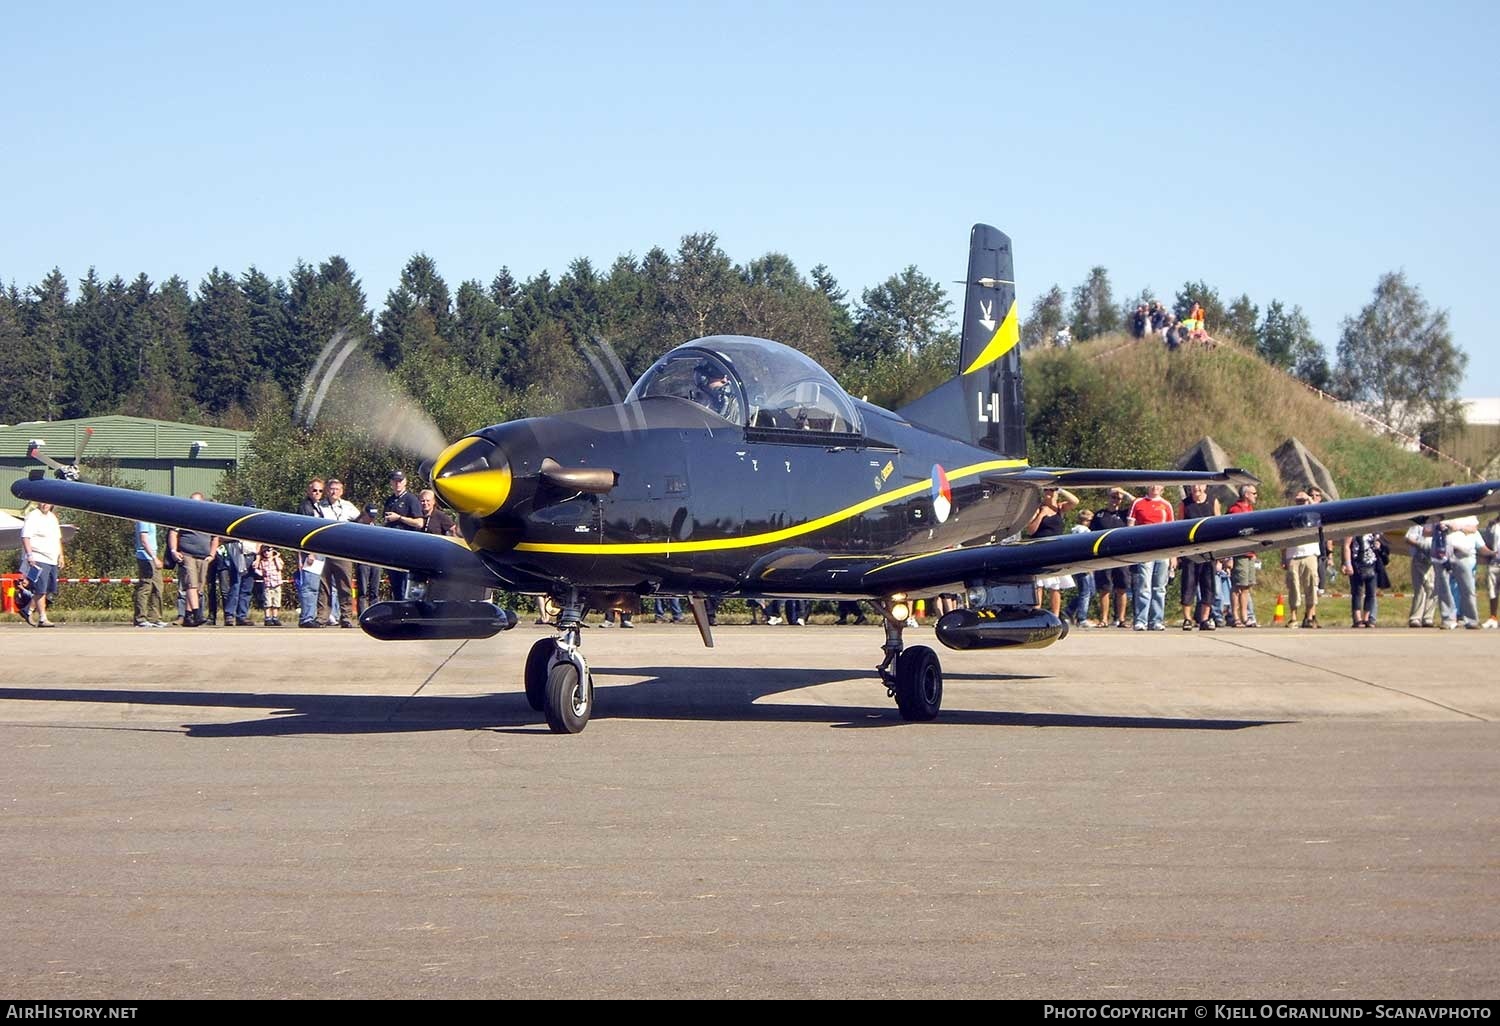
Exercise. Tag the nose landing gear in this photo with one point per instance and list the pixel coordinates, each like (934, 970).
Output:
(558, 682)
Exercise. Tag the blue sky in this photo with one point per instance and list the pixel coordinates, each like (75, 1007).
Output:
(1289, 151)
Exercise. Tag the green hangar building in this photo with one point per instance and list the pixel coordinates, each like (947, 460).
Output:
(159, 456)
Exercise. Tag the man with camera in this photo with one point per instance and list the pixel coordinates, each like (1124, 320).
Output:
(367, 575)
(403, 513)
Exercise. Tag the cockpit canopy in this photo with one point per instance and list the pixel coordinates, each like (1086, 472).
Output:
(751, 382)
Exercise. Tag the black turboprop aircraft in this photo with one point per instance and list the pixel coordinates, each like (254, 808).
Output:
(738, 467)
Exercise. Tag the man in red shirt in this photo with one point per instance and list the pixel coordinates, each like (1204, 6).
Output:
(1149, 580)
(1242, 578)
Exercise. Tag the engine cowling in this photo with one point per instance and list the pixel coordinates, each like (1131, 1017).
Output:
(1000, 627)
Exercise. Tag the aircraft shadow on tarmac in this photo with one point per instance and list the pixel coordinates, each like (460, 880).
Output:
(666, 693)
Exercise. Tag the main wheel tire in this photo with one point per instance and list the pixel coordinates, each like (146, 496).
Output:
(919, 684)
(570, 698)
(538, 662)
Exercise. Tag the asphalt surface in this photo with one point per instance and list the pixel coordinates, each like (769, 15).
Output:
(257, 813)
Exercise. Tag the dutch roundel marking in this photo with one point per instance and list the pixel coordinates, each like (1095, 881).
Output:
(942, 494)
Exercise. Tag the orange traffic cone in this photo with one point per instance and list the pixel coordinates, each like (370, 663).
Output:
(919, 609)
(1280, 609)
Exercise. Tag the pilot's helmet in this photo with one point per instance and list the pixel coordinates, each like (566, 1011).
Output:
(711, 378)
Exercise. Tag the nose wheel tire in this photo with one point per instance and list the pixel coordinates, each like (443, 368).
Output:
(919, 684)
(538, 662)
(569, 698)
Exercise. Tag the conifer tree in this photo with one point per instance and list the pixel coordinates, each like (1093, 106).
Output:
(1093, 311)
(840, 320)
(699, 288)
(15, 358)
(1240, 320)
(479, 341)
(222, 345)
(271, 347)
(48, 321)
(1045, 320)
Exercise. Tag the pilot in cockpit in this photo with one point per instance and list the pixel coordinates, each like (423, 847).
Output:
(711, 389)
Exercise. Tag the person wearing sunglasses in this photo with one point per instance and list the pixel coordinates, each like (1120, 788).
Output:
(310, 564)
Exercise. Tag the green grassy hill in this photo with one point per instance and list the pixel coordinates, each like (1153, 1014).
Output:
(1116, 402)
(1170, 400)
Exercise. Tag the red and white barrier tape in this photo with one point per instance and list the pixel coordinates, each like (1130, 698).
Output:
(108, 580)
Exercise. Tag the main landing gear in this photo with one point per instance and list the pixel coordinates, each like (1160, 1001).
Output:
(558, 682)
(913, 676)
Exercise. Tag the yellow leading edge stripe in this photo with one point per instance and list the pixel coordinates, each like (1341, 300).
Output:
(315, 530)
(229, 531)
(769, 537)
(1006, 336)
(1100, 542)
(248, 516)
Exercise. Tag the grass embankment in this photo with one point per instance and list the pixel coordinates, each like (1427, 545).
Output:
(1250, 409)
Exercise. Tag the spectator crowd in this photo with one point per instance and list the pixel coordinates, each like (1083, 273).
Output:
(1453, 563)
(220, 579)
(1154, 319)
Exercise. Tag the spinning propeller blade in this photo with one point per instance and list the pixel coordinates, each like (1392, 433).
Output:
(347, 390)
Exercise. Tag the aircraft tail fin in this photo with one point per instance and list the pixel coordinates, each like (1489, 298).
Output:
(982, 404)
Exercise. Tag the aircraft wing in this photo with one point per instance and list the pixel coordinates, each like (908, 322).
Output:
(10, 533)
(1104, 477)
(1225, 535)
(438, 556)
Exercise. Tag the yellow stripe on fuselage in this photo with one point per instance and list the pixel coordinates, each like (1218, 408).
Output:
(1103, 536)
(909, 559)
(767, 538)
(1199, 524)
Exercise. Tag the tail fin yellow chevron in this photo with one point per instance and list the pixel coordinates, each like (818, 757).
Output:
(983, 403)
